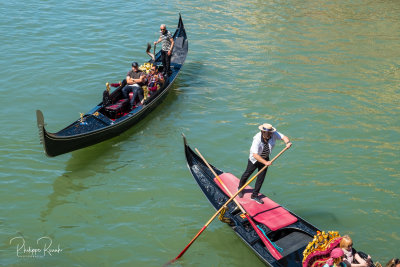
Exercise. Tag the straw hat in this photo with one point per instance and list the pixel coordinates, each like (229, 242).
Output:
(266, 127)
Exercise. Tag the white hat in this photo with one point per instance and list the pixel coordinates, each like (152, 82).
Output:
(266, 127)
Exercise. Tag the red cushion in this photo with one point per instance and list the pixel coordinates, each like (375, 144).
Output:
(270, 213)
(118, 106)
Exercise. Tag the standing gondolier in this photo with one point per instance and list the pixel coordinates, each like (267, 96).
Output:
(263, 143)
(166, 50)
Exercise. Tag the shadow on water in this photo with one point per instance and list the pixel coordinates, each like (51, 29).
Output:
(192, 73)
(83, 164)
(315, 215)
(92, 160)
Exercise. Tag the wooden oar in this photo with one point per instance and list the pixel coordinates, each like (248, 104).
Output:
(224, 206)
(274, 252)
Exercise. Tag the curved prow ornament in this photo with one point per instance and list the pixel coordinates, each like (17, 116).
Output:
(317, 251)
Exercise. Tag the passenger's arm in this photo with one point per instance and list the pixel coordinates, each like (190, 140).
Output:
(361, 261)
(142, 79)
(129, 80)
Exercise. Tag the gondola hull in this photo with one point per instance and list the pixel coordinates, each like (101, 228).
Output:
(55, 145)
(96, 126)
(288, 234)
(289, 238)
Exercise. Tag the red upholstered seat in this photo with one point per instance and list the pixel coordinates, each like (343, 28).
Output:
(270, 213)
(117, 110)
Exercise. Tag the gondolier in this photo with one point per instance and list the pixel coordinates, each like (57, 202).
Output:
(288, 234)
(263, 143)
(277, 236)
(166, 50)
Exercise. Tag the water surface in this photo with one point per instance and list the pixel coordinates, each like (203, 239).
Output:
(325, 74)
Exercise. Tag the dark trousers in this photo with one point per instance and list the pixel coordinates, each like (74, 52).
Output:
(166, 61)
(260, 178)
(137, 91)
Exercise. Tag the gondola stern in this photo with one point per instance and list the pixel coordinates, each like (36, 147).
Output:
(191, 156)
(187, 150)
(184, 140)
(40, 125)
(42, 131)
(180, 23)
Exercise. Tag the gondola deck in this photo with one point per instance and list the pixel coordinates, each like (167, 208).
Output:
(270, 213)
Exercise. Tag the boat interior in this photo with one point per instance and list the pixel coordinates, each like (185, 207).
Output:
(114, 106)
(288, 239)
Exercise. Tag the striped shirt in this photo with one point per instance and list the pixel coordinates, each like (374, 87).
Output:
(166, 41)
(257, 146)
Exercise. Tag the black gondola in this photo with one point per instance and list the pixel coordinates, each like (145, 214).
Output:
(99, 124)
(287, 235)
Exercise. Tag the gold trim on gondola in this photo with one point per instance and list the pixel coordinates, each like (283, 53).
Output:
(322, 242)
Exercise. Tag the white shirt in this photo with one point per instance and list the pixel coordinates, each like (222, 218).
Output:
(257, 146)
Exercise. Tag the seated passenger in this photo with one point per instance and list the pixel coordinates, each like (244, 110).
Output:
(336, 258)
(135, 79)
(351, 257)
(393, 263)
(155, 80)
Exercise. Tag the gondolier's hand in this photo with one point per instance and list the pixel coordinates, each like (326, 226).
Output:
(288, 144)
(268, 163)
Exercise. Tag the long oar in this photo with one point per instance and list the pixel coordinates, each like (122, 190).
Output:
(224, 206)
(274, 252)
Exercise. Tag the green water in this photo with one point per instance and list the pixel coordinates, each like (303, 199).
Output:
(326, 74)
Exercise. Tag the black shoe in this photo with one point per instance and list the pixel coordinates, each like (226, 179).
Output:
(257, 199)
(241, 193)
